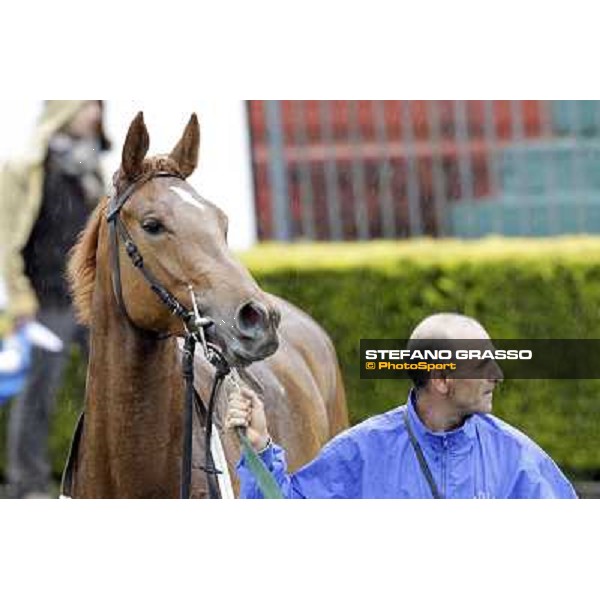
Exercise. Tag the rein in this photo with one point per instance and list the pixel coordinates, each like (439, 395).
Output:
(194, 325)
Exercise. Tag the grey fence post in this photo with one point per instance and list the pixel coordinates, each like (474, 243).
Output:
(415, 223)
(386, 200)
(576, 127)
(465, 165)
(517, 130)
(357, 170)
(307, 196)
(277, 172)
(439, 179)
(550, 162)
(491, 151)
(331, 174)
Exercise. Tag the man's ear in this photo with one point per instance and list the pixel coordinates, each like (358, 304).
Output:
(441, 382)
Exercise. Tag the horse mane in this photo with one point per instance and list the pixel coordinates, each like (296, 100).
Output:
(81, 268)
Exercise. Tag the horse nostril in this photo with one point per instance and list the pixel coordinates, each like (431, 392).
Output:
(252, 319)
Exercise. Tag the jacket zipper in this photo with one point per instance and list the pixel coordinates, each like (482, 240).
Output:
(444, 458)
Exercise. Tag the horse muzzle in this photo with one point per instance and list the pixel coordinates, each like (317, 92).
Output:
(255, 326)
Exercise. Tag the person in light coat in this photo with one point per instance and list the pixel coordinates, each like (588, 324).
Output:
(46, 197)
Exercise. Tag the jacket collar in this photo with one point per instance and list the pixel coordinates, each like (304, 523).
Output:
(455, 440)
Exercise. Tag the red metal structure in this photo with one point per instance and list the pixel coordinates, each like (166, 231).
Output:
(424, 153)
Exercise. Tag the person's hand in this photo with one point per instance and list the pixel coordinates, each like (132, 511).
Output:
(245, 409)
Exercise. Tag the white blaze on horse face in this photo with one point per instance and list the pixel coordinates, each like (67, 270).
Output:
(188, 198)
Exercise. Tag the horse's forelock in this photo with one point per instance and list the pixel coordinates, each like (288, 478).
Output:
(150, 166)
(81, 269)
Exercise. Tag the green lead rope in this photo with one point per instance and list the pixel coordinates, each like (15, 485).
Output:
(264, 478)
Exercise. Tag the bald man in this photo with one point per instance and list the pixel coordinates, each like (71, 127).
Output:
(443, 443)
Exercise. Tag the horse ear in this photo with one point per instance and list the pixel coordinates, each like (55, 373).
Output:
(185, 154)
(136, 147)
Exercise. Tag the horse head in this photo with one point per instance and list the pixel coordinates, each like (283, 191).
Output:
(182, 238)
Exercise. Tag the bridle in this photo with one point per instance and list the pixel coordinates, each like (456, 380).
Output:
(194, 325)
(118, 230)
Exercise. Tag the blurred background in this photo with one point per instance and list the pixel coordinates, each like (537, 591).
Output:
(371, 215)
(358, 170)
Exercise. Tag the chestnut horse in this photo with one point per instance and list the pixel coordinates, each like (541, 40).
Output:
(131, 439)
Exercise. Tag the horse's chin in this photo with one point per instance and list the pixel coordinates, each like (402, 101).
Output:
(240, 357)
(237, 354)
(237, 361)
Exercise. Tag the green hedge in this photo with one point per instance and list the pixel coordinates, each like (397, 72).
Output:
(546, 288)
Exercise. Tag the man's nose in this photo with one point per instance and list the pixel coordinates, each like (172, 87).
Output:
(496, 374)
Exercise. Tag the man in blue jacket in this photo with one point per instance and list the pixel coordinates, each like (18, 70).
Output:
(443, 443)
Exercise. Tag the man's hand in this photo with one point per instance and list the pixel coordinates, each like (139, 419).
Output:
(245, 409)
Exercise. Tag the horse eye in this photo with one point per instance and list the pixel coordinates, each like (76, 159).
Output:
(153, 227)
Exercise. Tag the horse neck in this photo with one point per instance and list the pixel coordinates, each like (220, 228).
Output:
(134, 395)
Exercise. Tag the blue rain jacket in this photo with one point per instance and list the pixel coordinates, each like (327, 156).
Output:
(485, 458)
